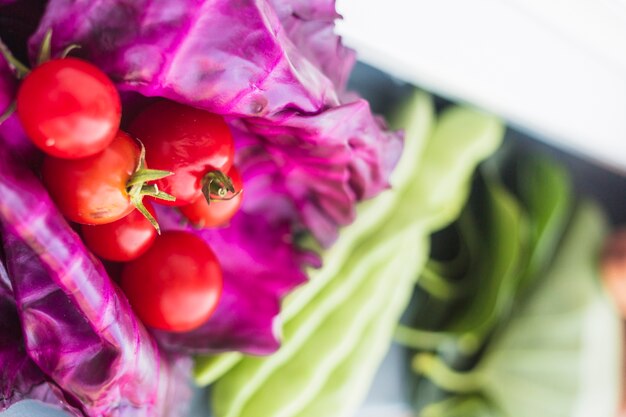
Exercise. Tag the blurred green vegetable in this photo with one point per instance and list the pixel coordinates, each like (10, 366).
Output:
(560, 353)
(545, 190)
(507, 242)
(470, 405)
(520, 324)
(497, 227)
(338, 327)
(562, 348)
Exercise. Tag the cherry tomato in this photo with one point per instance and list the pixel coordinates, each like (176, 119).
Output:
(218, 212)
(124, 239)
(186, 141)
(69, 108)
(176, 284)
(92, 190)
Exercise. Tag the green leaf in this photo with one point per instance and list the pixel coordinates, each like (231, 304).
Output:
(21, 70)
(143, 175)
(496, 226)
(45, 48)
(8, 112)
(553, 351)
(545, 190)
(560, 354)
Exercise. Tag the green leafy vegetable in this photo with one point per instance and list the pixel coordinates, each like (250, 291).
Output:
(493, 227)
(545, 190)
(550, 359)
(553, 346)
(560, 354)
(499, 226)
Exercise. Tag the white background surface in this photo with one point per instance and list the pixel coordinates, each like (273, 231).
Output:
(556, 68)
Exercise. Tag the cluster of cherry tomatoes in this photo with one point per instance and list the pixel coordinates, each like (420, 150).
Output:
(103, 179)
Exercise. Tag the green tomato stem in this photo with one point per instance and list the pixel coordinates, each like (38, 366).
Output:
(8, 112)
(216, 185)
(44, 55)
(44, 50)
(65, 52)
(138, 188)
(153, 191)
(144, 175)
(137, 201)
(21, 70)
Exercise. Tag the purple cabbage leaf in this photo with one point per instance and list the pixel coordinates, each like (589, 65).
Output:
(68, 336)
(277, 72)
(78, 328)
(19, 377)
(274, 67)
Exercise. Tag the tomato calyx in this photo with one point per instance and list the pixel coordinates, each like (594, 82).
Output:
(138, 188)
(216, 185)
(22, 70)
(44, 55)
(45, 50)
(19, 68)
(8, 111)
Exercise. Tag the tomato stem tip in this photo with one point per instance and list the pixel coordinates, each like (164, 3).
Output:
(20, 69)
(143, 175)
(44, 50)
(65, 52)
(216, 185)
(8, 112)
(44, 55)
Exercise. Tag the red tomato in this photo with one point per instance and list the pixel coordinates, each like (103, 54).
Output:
(92, 190)
(219, 212)
(176, 284)
(69, 108)
(186, 141)
(123, 240)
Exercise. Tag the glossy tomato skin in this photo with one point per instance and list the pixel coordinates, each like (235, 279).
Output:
(184, 140)
(219, 212)
(176, 285)
(124, 239)
(92, 190)
(69, 108)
